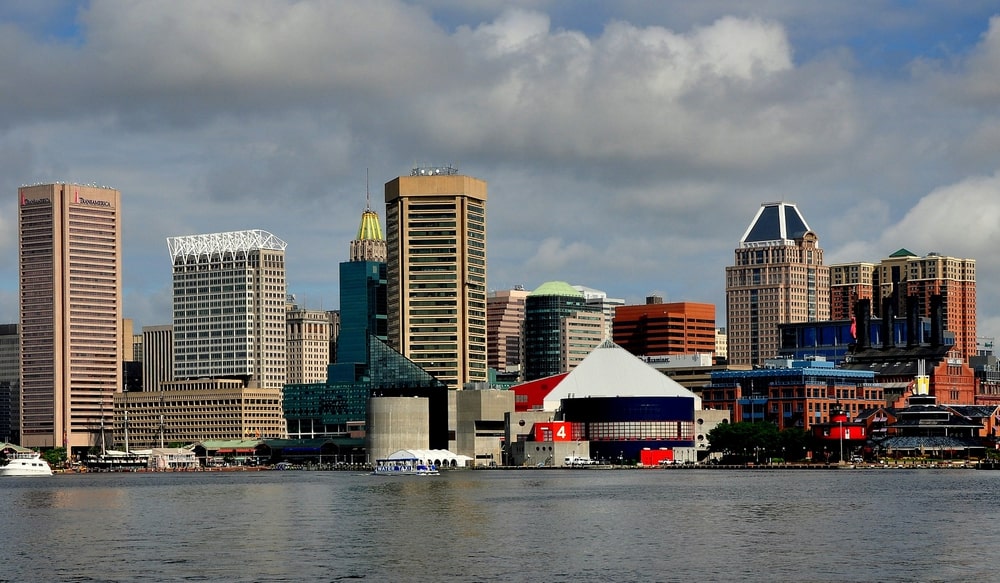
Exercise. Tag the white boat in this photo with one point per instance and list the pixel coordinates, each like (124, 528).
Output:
(397, 467)
(26, 464)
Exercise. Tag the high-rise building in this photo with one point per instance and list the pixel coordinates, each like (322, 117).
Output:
(363, 287)
(778, 278)
(131, 350)
(308, 348)
(559, 327)
(71, 313)
(905, 279)
(600, 299)
(436, 235)
(504, 319)
(10, 384)
(157, 356)
(656, 329)
(721, 344)
(229, 307)
(849, 282)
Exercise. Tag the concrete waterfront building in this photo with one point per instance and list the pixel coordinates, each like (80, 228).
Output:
(308, 344)
(229, 307)
(504, 321)
(778, 277)
(188, 411)
(396, 423)
(436, 237)
(656, 328)
(71, 313)
(157, 356)
(560, 329)
(480, 425)
(10, 383)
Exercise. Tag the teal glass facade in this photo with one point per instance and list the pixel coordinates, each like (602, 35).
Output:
(362, 308)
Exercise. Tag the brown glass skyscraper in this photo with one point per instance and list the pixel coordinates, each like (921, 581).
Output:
(71, 313)
(436, 274)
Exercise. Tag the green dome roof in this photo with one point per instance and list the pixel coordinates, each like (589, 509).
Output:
(557, 288)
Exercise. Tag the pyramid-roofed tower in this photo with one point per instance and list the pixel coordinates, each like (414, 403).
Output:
(775, 221)
(611, 371)
(777, 277)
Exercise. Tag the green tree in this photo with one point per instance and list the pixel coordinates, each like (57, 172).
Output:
(55, 456)
(757, 441)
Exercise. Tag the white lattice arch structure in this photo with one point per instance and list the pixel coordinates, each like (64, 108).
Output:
(220, 243)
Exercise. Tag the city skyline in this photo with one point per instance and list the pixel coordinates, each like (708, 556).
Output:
(877, 122)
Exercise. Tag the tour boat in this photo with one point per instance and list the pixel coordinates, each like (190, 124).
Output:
(404, 468)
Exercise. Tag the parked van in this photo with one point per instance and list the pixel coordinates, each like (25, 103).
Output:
(578, 461)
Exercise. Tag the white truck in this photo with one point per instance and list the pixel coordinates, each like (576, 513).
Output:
(574, 461)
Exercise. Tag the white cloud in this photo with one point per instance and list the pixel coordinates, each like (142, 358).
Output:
(625, 148)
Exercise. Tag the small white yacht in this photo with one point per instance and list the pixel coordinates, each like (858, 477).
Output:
(26, 464)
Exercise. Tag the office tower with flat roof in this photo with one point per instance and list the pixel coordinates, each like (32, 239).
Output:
(600, 299)
(436, 236)
(229, 307)
(504, 320)
(778, 278)
(308, 344)
(657, 329)
(71, 313)
(157, 356)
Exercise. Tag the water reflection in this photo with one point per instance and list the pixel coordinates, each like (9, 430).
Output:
(504, 526)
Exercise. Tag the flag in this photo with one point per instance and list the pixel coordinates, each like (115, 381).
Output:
(854, 328)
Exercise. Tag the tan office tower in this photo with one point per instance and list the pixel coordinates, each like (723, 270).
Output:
(71, 313)
(157, 356)
(778, 278)
(436, 272)
(307, 336)
(229, 307)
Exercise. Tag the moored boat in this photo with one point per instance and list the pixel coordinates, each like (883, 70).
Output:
(26, 464)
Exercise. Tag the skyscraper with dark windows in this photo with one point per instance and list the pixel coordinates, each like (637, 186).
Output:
(778, 277)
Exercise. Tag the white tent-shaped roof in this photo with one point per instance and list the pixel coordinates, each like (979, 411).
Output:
(611, 371)
(441, 457)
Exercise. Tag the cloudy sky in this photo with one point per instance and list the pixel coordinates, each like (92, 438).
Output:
(627, 145)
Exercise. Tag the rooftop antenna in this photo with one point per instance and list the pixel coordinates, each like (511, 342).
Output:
(368, 194)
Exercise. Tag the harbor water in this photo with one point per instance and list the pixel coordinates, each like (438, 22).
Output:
(519, 525)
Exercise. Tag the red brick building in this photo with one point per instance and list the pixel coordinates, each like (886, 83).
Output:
(657, 328)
